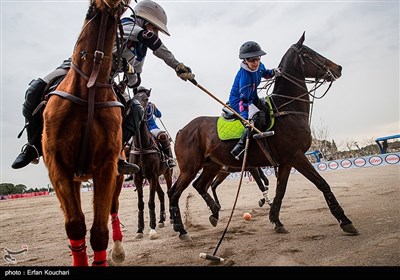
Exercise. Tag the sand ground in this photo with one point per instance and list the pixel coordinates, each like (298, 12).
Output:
(369, 196)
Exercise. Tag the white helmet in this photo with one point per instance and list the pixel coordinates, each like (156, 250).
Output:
(153, 13)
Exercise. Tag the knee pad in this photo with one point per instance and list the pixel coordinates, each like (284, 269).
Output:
(260, 120)
(33, 96)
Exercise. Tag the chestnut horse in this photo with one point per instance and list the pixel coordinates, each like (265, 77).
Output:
(82, 136)
(197, 145)
(146, 153)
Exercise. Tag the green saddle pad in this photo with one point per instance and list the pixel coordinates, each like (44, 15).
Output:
(229, 129)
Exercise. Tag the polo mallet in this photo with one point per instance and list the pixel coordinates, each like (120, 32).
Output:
(259, 134)
(213, 257)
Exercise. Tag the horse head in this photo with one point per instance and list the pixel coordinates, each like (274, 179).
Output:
(313, 64)
(117, 7)
(142, 97)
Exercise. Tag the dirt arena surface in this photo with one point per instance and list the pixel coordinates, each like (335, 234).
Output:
(369, 196)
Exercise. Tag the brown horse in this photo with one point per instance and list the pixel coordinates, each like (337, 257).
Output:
(146, 153)
(197, 145)
(82, 135)
(259, 177)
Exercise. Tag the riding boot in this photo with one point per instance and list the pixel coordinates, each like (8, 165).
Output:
(33, 149)
(125, 167)
(238, 150)
(166, 148)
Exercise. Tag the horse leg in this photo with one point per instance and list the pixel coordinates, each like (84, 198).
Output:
(202, 183)
(174, 193)
(256, 173)
(104, 181)
(221, 176)
(161, 198)
(263, 177)
(139, 190)
(117, 252)
(283, 175)
(305, 167)
(153, 184)
(68, 193)
(168, 181)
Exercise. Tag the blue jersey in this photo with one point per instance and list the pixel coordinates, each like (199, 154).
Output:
(151, 114)
(244, 88)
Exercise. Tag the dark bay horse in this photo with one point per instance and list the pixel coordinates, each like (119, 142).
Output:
(259, 177)
(147, 155)
(82, 136)
(197, 145)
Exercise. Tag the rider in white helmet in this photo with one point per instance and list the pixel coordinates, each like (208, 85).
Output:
(141, 32)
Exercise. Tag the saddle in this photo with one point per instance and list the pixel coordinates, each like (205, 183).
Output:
(229, 126)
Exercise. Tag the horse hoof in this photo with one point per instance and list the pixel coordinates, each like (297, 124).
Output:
(349, 229)
(160, 225)
(153, 234)
(117, 258)
(281, 229)
(139, 235)
(185, 237)
(213, 221)
(171, 221)
(261, 202)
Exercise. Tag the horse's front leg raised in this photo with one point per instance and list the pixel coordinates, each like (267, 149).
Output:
(283, 175)
(259, 177)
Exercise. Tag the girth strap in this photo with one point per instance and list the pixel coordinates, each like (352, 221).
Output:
(136, 151)
(285, 113)
(84, 102)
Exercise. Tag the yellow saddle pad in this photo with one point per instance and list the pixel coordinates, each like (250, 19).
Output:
(229, 129)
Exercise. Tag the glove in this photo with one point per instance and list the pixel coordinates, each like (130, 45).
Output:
(152, 107)
(277, 72)
(184, 72)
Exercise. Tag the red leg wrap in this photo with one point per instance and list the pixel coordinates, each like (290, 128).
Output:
(100, 258)
(116, 227)
(78, 250)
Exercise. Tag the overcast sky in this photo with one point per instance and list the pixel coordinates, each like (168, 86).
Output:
(362, 36)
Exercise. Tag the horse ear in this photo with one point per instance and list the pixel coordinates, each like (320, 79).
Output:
(148, 92)
(301, 40)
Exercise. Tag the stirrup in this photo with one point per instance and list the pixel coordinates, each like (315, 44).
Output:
(237, 157)
(25, 147)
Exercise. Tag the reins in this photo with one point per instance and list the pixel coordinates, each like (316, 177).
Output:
(301, 83)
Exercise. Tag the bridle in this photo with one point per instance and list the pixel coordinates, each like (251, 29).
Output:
(319, 81)
(140, 150)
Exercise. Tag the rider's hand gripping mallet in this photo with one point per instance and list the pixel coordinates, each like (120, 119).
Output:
(256, 136)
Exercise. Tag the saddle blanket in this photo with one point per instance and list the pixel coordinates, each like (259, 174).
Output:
(229, 129)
